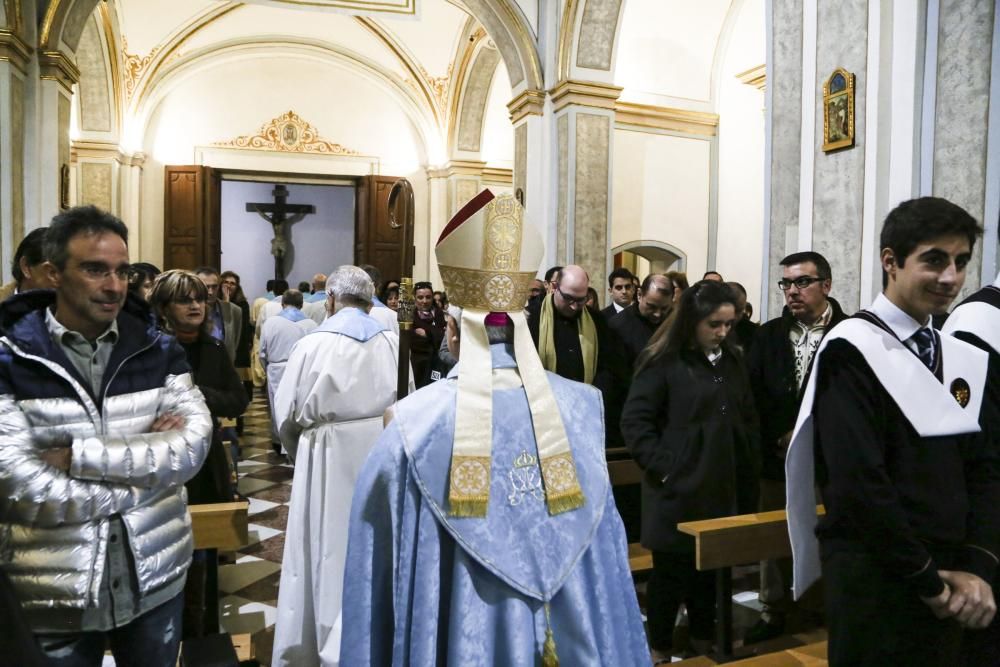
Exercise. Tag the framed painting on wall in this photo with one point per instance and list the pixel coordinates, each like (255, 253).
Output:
(838, 111)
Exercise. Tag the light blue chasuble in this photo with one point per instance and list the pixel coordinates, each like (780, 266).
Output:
(425, 588)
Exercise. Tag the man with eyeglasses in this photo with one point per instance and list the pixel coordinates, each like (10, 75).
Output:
(226, 317)
(575, 342)
(622, 292)
(100, 427)
(779, 364)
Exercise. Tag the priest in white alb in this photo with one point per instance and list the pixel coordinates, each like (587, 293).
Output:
(278, 336)
(338, 382)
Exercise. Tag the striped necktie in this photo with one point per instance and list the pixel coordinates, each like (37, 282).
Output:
(924, 338)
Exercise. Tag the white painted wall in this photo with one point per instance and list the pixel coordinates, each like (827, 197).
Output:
(661, 193)
(665, 51)
(741, 155)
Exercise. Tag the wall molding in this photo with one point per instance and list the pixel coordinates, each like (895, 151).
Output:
(755, 76)
(667, 118)
(105, 150)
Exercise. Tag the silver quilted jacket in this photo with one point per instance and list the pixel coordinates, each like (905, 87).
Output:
(54, 525)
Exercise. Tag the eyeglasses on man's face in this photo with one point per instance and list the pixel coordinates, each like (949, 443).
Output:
(801, 282)
(578, 300)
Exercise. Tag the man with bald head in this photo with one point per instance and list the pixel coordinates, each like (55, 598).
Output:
(574, 341)
(318, 289)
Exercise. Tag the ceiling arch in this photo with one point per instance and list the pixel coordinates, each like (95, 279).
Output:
(174, 72)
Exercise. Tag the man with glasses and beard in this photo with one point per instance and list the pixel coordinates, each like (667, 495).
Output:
(574, 341)
(779, 363)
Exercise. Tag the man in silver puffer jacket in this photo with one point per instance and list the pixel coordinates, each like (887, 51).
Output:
(100, 426)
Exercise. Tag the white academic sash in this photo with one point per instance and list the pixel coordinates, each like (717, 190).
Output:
(929, 406)
(977, 318)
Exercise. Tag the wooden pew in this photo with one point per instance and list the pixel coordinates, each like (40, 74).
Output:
(810, 655)
(736, 540)
(219, 526)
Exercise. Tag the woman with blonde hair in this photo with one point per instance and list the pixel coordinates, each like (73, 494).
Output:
(178, 300)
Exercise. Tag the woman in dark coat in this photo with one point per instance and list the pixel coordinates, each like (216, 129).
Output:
(178, 299)
(690, 424)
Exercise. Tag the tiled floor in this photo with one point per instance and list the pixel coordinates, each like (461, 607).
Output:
(248, 588)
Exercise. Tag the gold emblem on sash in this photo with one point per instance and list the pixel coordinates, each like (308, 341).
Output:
(961, 391)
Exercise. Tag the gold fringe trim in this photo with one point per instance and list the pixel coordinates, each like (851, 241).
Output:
(468, 507)
(549, 656)
(564, 502)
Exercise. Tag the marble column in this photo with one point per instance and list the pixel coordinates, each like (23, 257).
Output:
(961, 122)
(785, 111)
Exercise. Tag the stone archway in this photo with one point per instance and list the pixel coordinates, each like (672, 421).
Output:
(656, 256)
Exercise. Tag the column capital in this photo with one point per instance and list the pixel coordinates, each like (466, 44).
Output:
(105, 150)
(57, 66)
(584, 93)
(14, 50)
(528, 103)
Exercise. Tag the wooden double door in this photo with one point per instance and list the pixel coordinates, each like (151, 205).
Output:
(192, 222)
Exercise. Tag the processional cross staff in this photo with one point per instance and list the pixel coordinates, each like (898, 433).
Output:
(401, 196)
(280, 214)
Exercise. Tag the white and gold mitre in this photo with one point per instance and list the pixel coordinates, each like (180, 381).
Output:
(488, 258)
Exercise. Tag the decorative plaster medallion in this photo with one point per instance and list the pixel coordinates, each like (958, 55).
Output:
(288, 133)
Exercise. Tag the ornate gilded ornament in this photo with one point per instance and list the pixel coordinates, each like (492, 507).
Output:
(838, 111)
(961, 391)
(135, 67)
(288, 133)
(524, 480)
(470, 485)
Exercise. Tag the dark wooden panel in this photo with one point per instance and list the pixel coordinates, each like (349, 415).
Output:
(183, 208)
(192, 226)
(376, 241)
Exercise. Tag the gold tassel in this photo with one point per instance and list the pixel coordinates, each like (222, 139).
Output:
(468, 507)
(564, 502)
(549, 657)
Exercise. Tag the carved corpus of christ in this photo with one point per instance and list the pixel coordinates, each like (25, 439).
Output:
(280, 214)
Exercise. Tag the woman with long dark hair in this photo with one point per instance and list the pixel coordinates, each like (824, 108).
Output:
(690, 424)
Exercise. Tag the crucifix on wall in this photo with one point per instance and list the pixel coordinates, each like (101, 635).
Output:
(280, 214)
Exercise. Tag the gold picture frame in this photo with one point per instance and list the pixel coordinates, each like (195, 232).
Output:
(838, 111)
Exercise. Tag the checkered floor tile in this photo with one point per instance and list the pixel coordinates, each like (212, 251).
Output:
(248, 588)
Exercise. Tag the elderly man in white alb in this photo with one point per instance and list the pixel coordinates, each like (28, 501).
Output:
(337, 384)
(278, 336)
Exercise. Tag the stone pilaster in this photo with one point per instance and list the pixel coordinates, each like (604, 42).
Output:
(15, 56)
(583, 116)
